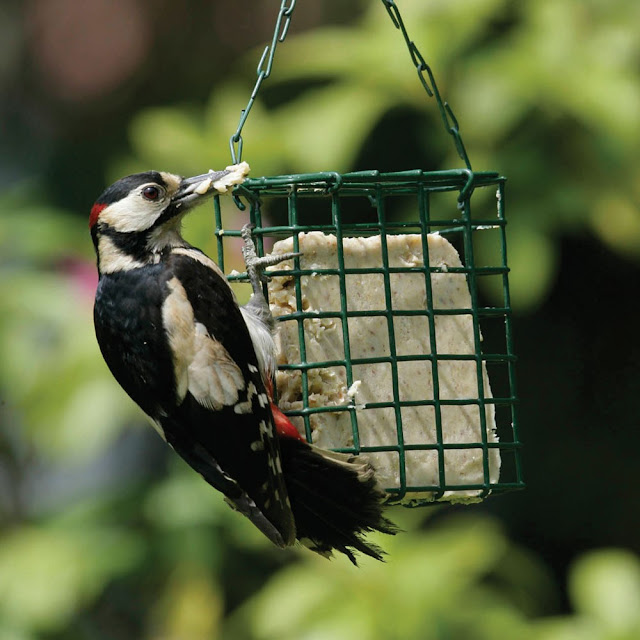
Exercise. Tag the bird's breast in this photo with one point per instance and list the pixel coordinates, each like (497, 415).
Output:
(129, 330)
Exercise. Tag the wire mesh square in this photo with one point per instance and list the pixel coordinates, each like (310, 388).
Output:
(386, 206)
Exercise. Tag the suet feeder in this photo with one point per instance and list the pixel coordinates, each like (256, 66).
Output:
(388, 347)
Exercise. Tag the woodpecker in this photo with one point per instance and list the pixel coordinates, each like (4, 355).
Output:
(200, 366)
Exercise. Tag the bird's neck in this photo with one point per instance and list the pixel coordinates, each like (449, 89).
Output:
(165, 237)
(124, 251)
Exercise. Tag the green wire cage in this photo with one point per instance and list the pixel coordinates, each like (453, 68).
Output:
(439, 418)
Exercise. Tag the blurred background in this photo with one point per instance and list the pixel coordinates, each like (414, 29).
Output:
(104, 533)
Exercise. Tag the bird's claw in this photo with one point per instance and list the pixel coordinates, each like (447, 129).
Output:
(256, 265)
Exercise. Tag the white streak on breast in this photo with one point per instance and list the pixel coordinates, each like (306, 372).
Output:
(133, 213)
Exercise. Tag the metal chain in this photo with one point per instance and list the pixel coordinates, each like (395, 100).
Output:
(279, 34)
(429, 83)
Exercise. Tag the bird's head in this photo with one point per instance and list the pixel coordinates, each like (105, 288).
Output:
(139, 216)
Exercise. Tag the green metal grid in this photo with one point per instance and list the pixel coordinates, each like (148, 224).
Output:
(338, 193)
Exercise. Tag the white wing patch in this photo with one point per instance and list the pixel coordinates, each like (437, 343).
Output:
(202, 365)
(214, 378)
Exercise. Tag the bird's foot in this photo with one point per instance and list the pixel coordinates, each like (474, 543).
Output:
(255, 264)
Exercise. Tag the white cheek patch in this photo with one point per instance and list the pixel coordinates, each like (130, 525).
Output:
(132, 213)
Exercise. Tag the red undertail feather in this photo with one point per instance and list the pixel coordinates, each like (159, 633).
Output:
(284, 426)
(335, 497)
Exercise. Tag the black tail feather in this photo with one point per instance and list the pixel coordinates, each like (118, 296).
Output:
(335, 500)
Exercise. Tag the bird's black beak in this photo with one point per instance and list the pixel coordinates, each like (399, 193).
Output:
(194, 190)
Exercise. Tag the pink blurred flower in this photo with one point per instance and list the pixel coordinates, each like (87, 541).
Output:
(82, 274)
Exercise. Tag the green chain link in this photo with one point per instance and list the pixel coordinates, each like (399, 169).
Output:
(429, 82)
(424, 73)
(279, 34)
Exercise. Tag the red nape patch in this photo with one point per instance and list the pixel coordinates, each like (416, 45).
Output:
(95, 212)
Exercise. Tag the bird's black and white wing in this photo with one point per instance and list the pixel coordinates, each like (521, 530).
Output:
(221, 423)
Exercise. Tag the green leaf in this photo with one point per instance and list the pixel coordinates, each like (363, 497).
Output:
(605, 586)
(48, 574)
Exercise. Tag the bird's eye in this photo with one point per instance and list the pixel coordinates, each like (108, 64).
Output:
(151, 193)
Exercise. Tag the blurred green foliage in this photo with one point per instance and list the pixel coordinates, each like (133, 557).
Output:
(462, 580)
(548, 93)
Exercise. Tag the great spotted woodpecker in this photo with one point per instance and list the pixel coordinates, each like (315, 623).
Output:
(172, 333)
